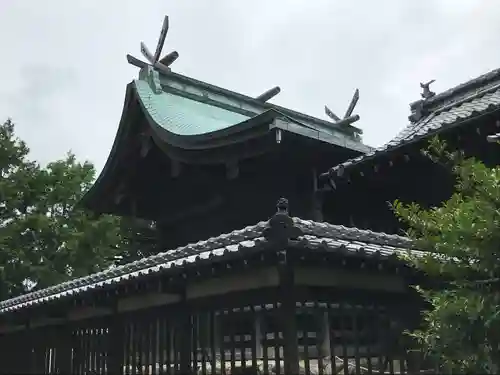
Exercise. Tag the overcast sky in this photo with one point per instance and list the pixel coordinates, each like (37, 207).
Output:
(64, 70)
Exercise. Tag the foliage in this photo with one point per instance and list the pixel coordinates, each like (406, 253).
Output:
(461, 329)
(45, 237)
(139, 240)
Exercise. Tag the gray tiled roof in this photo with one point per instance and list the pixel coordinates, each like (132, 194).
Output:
(314, 235)
(445, 110)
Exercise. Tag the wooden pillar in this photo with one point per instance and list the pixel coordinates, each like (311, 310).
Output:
(184, 324)
(7, 355)
(116, 347)
(289, 318)
(17, 352)
(64, 349)
(15, 357)
(258, 335)
(36, 366)
(3, 349)
(324, 335)
(316, 199)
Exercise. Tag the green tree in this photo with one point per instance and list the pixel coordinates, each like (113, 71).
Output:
(140, 240)
(461, 328)
(45, 237)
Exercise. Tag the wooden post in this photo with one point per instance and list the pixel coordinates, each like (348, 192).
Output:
(115, 350)
(324, 335)
(289, 319)
(258, 335)
(64, 349)
(184, 324)
(37, 354)
(316, 199)
(18, 350)
(16, 354)
(8, 355)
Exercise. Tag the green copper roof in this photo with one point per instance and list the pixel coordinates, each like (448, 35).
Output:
(189, 109)
(183, 116)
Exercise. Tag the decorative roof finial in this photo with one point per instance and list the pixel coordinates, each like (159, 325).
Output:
(427, 93)
(282, 206)
(349, 118)
(154, 60)
(281, 226)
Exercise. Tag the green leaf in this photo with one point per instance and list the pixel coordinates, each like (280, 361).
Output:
(45, 238)
(462, 237)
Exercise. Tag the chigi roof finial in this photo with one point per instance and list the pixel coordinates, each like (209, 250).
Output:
(427, 93)
(349, 118)
(154, 60)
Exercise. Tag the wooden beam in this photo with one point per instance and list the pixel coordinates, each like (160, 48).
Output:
(232, 169)
(82, 313)
(311, 276)
(176, 167)
(146, 301)
(12, 328)
(249, 280)
(193, 210)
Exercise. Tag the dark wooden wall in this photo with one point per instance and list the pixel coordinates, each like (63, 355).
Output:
(338, 332)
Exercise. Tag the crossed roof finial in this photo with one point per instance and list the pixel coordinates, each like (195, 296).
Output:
(162, 64)
(349, 118)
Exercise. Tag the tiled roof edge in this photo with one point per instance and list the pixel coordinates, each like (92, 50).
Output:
(232, 241)
(252, 231)
(462, 87)
(416, 128)
(351, 233)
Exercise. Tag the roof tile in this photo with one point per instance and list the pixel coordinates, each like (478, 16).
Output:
(477, 102)
(315, 235)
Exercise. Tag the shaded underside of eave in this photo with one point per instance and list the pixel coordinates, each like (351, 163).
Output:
(431, 125)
